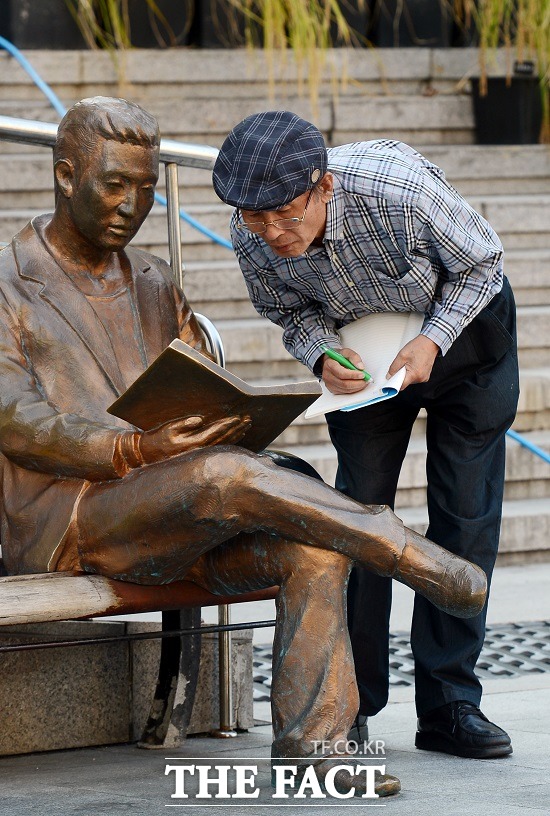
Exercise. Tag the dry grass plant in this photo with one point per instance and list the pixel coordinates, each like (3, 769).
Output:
(305, 28)
(107, 24)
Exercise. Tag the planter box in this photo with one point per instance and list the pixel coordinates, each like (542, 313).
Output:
(149, 31)
(39, 24)
(48, 24)
(358, 20)
(217, 24)
(411, 23)
(510, 113)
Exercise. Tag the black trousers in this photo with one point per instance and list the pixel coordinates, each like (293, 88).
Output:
(471, 400)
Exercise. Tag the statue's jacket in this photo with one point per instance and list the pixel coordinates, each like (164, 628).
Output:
(58, 374)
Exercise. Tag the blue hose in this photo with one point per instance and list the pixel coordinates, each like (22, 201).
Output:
(529, 445)
(36, 78)
(197, 225)
(61, 110)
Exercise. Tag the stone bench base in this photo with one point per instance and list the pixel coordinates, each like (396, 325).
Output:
(100, 694)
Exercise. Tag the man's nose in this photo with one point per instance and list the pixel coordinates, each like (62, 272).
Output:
(272, 230)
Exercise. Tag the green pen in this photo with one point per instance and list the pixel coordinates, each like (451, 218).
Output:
(344, 362)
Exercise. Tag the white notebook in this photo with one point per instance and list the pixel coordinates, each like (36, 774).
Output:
(377, 338)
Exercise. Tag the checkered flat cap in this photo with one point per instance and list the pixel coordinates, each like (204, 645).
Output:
(268, 160)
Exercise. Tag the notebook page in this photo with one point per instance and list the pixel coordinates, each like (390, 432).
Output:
(377, 338)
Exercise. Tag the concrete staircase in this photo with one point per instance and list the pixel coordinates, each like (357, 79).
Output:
(418, 95)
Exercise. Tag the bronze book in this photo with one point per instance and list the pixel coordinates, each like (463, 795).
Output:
(181, 383)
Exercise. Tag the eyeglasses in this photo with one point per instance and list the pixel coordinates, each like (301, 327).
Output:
(259, 227)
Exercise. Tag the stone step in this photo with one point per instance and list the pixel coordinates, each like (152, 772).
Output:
(214, 286)
(527, 475)
(533, 414)
(26, 179)
(440, 119)
(521, 221)
(533, 324)
(21, 150)
(169, 70)
(173, 84)
(509, 214)
(139, 68)
(430, 120)
(39, 109)
(437, 119)
(525, 530)
(496, 169)
(534, 400)
(249, 343)
(528, 271)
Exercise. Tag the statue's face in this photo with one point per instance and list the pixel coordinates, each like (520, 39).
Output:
(113, 193)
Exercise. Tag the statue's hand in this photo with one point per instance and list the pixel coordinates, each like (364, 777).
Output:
(181, 435)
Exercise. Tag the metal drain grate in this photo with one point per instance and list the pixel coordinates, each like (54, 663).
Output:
(510, 650)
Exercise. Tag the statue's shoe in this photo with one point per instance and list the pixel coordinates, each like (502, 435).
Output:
(344, 779)
(451, 583)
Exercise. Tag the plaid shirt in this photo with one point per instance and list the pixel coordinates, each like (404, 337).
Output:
(398, 238)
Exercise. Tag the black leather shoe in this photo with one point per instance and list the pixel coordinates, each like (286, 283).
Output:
(359, 732)
(461, 729)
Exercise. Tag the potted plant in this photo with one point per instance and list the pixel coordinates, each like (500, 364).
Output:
(511, 109)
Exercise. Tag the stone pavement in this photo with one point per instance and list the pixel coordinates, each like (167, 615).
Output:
(124, 779)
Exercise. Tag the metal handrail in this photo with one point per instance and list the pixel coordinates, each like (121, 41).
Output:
(31, 131)
(213, 338)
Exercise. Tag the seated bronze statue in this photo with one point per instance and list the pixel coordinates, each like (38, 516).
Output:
(81, 317)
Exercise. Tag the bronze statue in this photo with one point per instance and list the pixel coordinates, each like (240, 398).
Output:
(81, 317)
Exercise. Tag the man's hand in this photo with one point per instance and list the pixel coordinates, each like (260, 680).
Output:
(418, 357)
(340, 380)
(182, 435)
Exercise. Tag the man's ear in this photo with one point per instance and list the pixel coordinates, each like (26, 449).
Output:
(326, 187)
(65, 177)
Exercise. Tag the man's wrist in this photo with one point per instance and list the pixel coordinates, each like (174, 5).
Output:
(318, 365)
(430, 343)
(443, 340)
